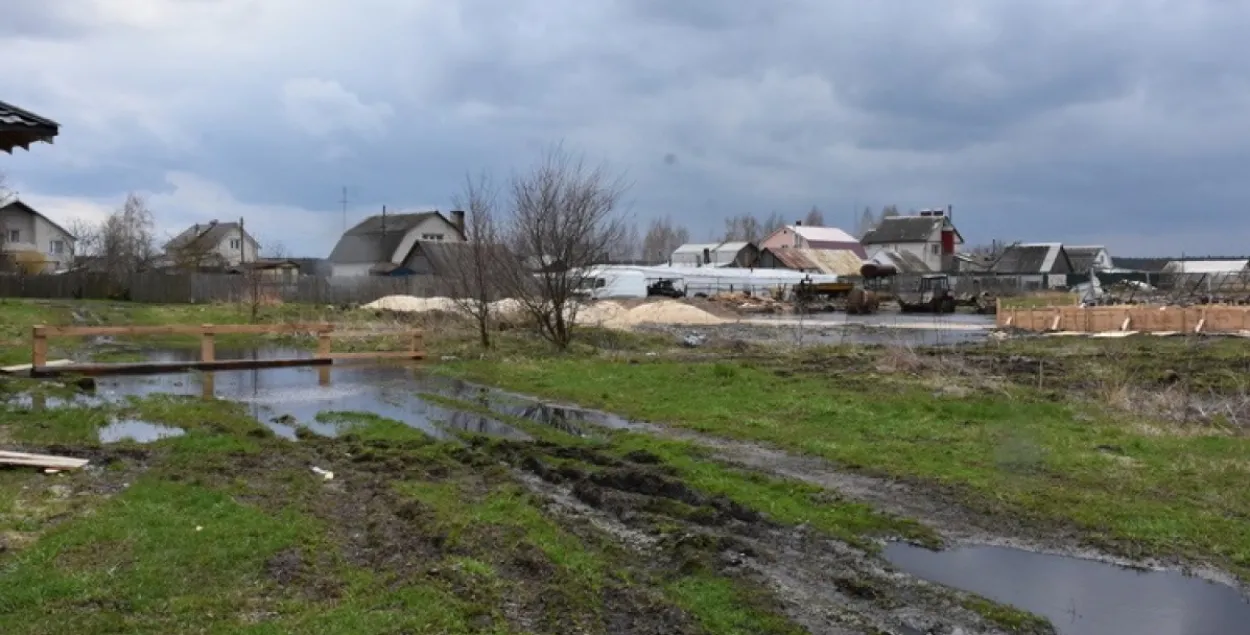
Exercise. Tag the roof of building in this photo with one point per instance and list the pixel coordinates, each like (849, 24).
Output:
(203, 237)
(905, 229)
(20, 128)
(812, 233)
(902, 261)
(1149, 265)
(1030, 258)
(697, 248)
(1083, 257)
(376, 238)
(841, 262)
(453, 258)
(18, 203)
(1205, 266)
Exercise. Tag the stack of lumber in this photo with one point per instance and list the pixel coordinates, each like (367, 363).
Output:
(47, 461)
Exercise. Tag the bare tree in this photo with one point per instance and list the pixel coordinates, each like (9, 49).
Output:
(126, 238)
(277, 250)
(565, 213)
(814, 218)
(746, 227)
(5, 193)
(86, 238)
(662, 239)
(867, 222)
(474, 280)
(630, 244)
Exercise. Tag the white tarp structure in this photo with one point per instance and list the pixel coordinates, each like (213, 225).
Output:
(711, 280)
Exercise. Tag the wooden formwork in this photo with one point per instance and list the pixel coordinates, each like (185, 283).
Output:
(1212, 318)
(208, 360)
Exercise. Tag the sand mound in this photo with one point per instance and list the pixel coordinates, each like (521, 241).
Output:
(670, 312)
(606, 314)
(411, 304)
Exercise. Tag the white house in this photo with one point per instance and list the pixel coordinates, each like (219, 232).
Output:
(213, 244)
(383, 244)
(23, 231)
(929, 236)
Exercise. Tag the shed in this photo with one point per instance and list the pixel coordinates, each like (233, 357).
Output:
(840, 262)
(723, 254)
(1033, 258)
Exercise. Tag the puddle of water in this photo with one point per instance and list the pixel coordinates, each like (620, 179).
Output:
(137, 431)
(290, 397)
(1083, 597)
(573, 420)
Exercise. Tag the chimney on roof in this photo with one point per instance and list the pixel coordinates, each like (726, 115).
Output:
(457, 219)
(798, 223)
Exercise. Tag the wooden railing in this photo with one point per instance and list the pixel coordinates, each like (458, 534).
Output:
(208, 357)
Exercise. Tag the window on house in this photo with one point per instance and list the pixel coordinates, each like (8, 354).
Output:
(15, 236)
(431, 236)
(935, 249)
(58, 247)
(234, 243)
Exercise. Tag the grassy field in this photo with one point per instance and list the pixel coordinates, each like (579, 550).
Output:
(1035, 432)
(1134, 446)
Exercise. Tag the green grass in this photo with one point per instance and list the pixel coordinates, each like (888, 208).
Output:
(725, 608)
(367, 425)
(1010, 452)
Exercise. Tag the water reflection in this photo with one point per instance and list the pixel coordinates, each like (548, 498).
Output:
(1083, 597)
(137, 431)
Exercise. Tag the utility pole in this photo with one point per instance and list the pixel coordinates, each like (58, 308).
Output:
(343, 202)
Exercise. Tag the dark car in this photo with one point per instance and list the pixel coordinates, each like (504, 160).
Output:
(665, 288)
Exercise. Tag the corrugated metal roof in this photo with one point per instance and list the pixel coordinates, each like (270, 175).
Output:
(449, 259)
(903, 229)
(841, 262)
(20, 128)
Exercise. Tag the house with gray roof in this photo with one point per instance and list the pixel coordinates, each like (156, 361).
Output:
(1087, 258)
(930, 237)
(211, 245)
(1039, 265)
(38, 242)
(382, 245)
(20, 128)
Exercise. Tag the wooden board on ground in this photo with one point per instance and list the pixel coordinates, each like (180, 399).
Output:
(41, 460)
(25, 368)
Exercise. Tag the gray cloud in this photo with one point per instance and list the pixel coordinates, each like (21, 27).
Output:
(1037, 121)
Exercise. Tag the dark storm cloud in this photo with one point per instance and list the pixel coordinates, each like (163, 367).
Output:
(1037, 121)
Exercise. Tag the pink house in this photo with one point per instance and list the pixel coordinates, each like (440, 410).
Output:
(828, 238)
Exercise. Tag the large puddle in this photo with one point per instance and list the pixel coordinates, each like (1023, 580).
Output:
(1083, 597)
(288, 398)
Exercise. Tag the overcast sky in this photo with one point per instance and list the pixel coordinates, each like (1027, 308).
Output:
(1116, 122)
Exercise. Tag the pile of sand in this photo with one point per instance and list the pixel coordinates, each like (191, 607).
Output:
(670, 312)
(606, 314)
(411, 304)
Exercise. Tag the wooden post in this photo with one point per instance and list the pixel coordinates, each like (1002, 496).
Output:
(39, 348)
(414, 344)
(208, 385)
(323, 345)
(323, 376)
(207, 352)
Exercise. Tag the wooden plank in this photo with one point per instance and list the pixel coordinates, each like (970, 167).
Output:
(149, 368)
(323, 346)
(41, 460)
(396, 333)
(22, 368)
(183, 329)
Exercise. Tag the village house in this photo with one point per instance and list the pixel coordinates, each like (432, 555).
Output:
(1038, 265)
(725, 254)
(1087, 258)
(930, 237)
(32, 240)
(382, 245)
(213, 245)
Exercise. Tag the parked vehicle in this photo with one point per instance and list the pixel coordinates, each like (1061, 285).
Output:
(932, 295)
(614, 283)
(665, 287)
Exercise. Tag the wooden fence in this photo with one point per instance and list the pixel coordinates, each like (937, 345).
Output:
(179, 288)
(1130, 318)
